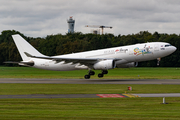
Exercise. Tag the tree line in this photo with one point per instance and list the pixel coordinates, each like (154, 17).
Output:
(78, 42)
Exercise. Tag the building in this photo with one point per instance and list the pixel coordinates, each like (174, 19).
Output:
(71, 24)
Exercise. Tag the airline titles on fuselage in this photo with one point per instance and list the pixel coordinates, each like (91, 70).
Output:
(121, 50)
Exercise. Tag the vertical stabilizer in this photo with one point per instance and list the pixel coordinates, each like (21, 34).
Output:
(23, 46)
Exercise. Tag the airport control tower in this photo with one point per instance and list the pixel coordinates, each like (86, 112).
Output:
(71, 23)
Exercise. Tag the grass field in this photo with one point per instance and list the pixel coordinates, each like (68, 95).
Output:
(24, 89)
(88, 108)
(121, 73)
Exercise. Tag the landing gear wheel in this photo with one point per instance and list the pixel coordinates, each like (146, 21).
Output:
(91, 73)
(100, 75)
(87, 76)
(104, 72)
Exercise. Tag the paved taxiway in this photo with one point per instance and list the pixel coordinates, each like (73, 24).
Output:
(91, 81)
(159, 95)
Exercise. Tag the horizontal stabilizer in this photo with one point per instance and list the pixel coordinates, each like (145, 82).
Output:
(24, 63)
(11, 62)
(27, 54)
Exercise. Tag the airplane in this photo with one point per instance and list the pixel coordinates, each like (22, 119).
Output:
(103, 59)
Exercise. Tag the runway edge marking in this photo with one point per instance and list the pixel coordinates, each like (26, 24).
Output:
(130, 95)
(117, 95)
(110, 95)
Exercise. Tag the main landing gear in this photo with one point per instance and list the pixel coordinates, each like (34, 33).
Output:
(100, 75)
(89, 74)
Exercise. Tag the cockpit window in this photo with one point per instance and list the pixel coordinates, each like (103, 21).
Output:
(168, 45)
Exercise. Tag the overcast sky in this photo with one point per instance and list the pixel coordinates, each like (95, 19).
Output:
(39, 18)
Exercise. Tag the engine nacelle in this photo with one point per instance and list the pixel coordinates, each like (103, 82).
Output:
(127, 65)
(104, 65)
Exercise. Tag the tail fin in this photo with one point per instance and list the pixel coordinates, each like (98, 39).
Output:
(24, 47)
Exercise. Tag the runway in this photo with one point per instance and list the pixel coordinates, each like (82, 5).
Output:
(90, 81)
(88, 96)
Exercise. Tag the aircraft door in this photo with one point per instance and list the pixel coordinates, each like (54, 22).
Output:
(131, 56)
(131, 51)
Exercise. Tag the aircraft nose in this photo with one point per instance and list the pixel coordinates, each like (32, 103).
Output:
(174, 48)
(170, 49)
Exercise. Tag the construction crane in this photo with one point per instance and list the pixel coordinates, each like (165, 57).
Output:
(97, 26)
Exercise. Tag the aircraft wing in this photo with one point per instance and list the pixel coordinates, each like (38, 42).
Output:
(82, 61)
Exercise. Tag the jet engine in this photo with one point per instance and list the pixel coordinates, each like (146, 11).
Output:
(127, 65)
(104, 65)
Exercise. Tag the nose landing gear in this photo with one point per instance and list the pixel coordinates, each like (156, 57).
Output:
(158, 61)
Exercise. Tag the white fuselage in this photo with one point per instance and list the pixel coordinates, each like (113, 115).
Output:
(125, 54)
